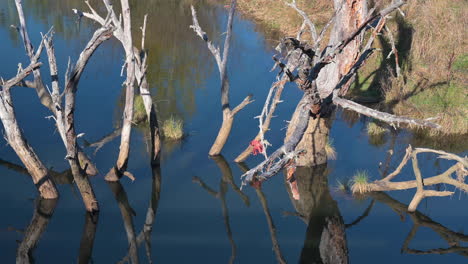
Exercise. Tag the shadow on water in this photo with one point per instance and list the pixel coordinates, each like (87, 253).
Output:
(226, 179)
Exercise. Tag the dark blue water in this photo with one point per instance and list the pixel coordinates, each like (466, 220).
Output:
(214, 224)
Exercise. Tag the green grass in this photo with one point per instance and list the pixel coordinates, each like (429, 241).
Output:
(139, 111)
(461, 63)
(440, 98)
(173, 129)
(359, 182)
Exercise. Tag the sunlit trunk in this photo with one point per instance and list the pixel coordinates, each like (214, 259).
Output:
(223, 133)
(16, 140)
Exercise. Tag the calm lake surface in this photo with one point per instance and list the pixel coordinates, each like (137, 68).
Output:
(201, 215)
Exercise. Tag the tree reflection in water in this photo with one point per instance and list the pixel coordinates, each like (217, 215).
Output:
(226, 179)
(43, 211)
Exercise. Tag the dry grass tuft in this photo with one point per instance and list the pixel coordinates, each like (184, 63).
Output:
(373, 129)
(173, 129)
(330, 150)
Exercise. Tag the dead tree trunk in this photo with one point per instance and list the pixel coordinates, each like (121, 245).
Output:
(16, 140)
(321, 95)
(460, 168)
(228, 113)
(44, 96)
(349, 16)
(139, 59)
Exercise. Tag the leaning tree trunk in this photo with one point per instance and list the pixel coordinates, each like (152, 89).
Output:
(16, 140)
(349, 16)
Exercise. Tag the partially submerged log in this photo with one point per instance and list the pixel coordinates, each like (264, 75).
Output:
(447, 177)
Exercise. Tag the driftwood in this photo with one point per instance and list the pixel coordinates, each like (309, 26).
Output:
(324, 81)
(386, 184)
(16, 139)
(221, 62)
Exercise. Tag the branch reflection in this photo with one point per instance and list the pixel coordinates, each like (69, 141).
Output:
(266, 210)
(43, 211)
(221, 195)
(325, 240)
(453, 239)
(87, 238)
(127, 213)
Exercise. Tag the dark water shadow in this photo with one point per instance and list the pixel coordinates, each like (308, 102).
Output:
(225, 181)
(266, 210)
(127, 213)
(325, 239)
(43, 212)
(453, 239)
(85, 252)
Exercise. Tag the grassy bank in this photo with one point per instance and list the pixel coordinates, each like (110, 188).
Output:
(432, 53)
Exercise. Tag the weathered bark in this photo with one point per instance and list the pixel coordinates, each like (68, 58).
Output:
(460, 168)
(45, 97)
(120, 167)
(43, 211)
(349, 16)
(313, 141)
(127, 215)
(221, 61)
(274, 95)
(87, 238)
(320, 97)
(150, 107)
(140, 71)
(67, 123)
(17, 141)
